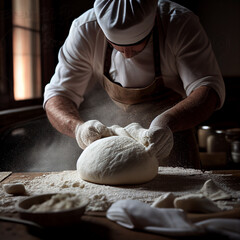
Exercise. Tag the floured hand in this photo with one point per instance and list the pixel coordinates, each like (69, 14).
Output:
(159, 140)
(89, 132)
(137, 132)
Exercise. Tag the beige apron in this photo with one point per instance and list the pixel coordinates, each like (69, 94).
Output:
(142, 105)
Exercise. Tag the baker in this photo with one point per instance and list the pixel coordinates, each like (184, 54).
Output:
(156, 64)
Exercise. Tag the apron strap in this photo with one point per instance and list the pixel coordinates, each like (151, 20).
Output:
(107, 63)
(156, 50)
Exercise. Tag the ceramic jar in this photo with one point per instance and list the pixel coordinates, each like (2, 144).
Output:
(216, 142)
(203, 133)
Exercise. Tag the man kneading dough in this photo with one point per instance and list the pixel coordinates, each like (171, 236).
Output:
(140, 52)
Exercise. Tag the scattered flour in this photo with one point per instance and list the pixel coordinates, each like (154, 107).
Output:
(179, 181)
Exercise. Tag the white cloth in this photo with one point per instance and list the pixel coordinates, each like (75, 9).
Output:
(187, 59)
(134, 214)
(125, 22)
(229, 228)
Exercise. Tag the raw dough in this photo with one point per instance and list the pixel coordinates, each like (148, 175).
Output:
(203, 201)
(117, 160)
(14, 188)
(196, 203)
(212, 191)
(164, 201)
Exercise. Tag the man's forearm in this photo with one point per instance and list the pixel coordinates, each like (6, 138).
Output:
(63, 115)
(190, 112)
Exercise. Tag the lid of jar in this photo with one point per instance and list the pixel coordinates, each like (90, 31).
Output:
(233, 134)
(205, 127)
(220, 131)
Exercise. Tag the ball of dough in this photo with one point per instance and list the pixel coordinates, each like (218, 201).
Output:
(196, 203)
(117, 160)
(164, 201)
(14, 188)
(212, 191)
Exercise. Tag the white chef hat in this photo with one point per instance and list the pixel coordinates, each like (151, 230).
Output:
(125, 22)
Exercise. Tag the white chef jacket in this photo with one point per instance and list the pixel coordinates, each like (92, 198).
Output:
(187, 59)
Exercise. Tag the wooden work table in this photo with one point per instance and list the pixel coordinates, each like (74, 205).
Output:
(95, 225)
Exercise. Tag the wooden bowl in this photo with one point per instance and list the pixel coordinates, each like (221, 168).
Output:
(65, 217)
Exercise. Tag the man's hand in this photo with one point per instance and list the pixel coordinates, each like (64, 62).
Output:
(89, 132)
(137, 132)
(159, 140)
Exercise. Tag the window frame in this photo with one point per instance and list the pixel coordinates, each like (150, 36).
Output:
(7, 100)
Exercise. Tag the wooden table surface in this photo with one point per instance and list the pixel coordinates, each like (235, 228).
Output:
(95, 225)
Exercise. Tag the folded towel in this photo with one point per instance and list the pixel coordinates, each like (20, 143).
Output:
(134, 214)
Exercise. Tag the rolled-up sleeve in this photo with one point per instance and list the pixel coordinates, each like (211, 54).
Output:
(74, 68)
(195, 59)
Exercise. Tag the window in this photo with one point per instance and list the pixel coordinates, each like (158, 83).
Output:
(21, 58)
(26, 49)
(31, 33)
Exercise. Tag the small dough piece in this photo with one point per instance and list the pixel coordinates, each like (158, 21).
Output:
(117, 160)
(164, 201)
(212, 191)
(196, 203)
(14, 188)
